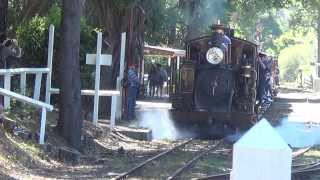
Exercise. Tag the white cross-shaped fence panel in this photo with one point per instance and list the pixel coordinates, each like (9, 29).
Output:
(98, 60)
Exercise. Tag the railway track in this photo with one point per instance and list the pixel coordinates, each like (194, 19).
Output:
(160, 161)
(300, 170)
(297, 169)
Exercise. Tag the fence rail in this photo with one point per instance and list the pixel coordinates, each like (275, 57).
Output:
(24, 70)
(44, 107)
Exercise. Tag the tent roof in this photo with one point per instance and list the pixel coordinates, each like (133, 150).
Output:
(262, 136)
(163, 51)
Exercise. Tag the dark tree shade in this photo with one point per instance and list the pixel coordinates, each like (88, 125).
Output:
(70, 116)
(3, 16)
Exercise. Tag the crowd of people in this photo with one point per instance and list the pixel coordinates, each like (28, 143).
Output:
(156, 79)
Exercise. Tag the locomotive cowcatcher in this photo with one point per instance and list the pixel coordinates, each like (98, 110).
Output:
(218, 79)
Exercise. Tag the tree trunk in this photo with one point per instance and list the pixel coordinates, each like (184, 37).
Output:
(70, 110)
(3, 18)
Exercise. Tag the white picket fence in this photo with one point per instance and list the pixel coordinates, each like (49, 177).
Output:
(97, 59)
(23, 72)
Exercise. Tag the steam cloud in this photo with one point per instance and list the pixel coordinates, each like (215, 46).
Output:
(199, 15)
(159, 121)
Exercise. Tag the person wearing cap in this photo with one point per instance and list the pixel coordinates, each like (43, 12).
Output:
(219, 36)
(133, 85)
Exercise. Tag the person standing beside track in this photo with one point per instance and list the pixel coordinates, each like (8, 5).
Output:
(264, 78)
(133, 85)
(152, 80)
(162, 77)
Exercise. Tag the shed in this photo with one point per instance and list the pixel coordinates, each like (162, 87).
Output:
(261, 154)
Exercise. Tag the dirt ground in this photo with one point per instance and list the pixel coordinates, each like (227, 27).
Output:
(107, 154)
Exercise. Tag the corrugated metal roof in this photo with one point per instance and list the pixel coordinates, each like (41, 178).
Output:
(163, 51)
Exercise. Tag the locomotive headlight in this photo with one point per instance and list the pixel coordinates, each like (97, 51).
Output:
(214, 55)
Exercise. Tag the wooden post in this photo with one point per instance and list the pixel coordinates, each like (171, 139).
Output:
(7, 86)
(178, 62)
(49, 63)
(37, 86)
(23, 80)
(113, 111)
(121, 75)
(43, 125)
(97, 80)
(118, 109)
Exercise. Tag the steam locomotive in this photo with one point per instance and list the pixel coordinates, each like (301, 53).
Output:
(219, 79)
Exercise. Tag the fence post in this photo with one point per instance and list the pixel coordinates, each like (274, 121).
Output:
(97, 80)
(23, 79)
(7, 86)
(49, 63)
(113, 111)
(118, 104)
(121, 74)
(37, 86)
(43, 125)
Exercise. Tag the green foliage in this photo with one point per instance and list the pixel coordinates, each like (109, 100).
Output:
(153, 60)
(31, 36)
(296, 57)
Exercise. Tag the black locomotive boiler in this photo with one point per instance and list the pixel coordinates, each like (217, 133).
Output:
(218, 80)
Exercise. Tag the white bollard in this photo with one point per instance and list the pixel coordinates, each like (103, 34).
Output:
(261, 154)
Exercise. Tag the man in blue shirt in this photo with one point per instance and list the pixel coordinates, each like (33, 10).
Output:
(133, 84)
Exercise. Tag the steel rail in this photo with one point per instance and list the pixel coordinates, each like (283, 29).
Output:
(306, 171)
(193, 160)
(124, 175)
(310, 167)
(300, 152)
(307, 167)
(304, 164)
(223, 175)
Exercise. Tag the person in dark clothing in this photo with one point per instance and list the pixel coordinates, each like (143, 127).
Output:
(264, 78)
(133, 84)
(162, 77)
(152, 78)
(219, 37)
